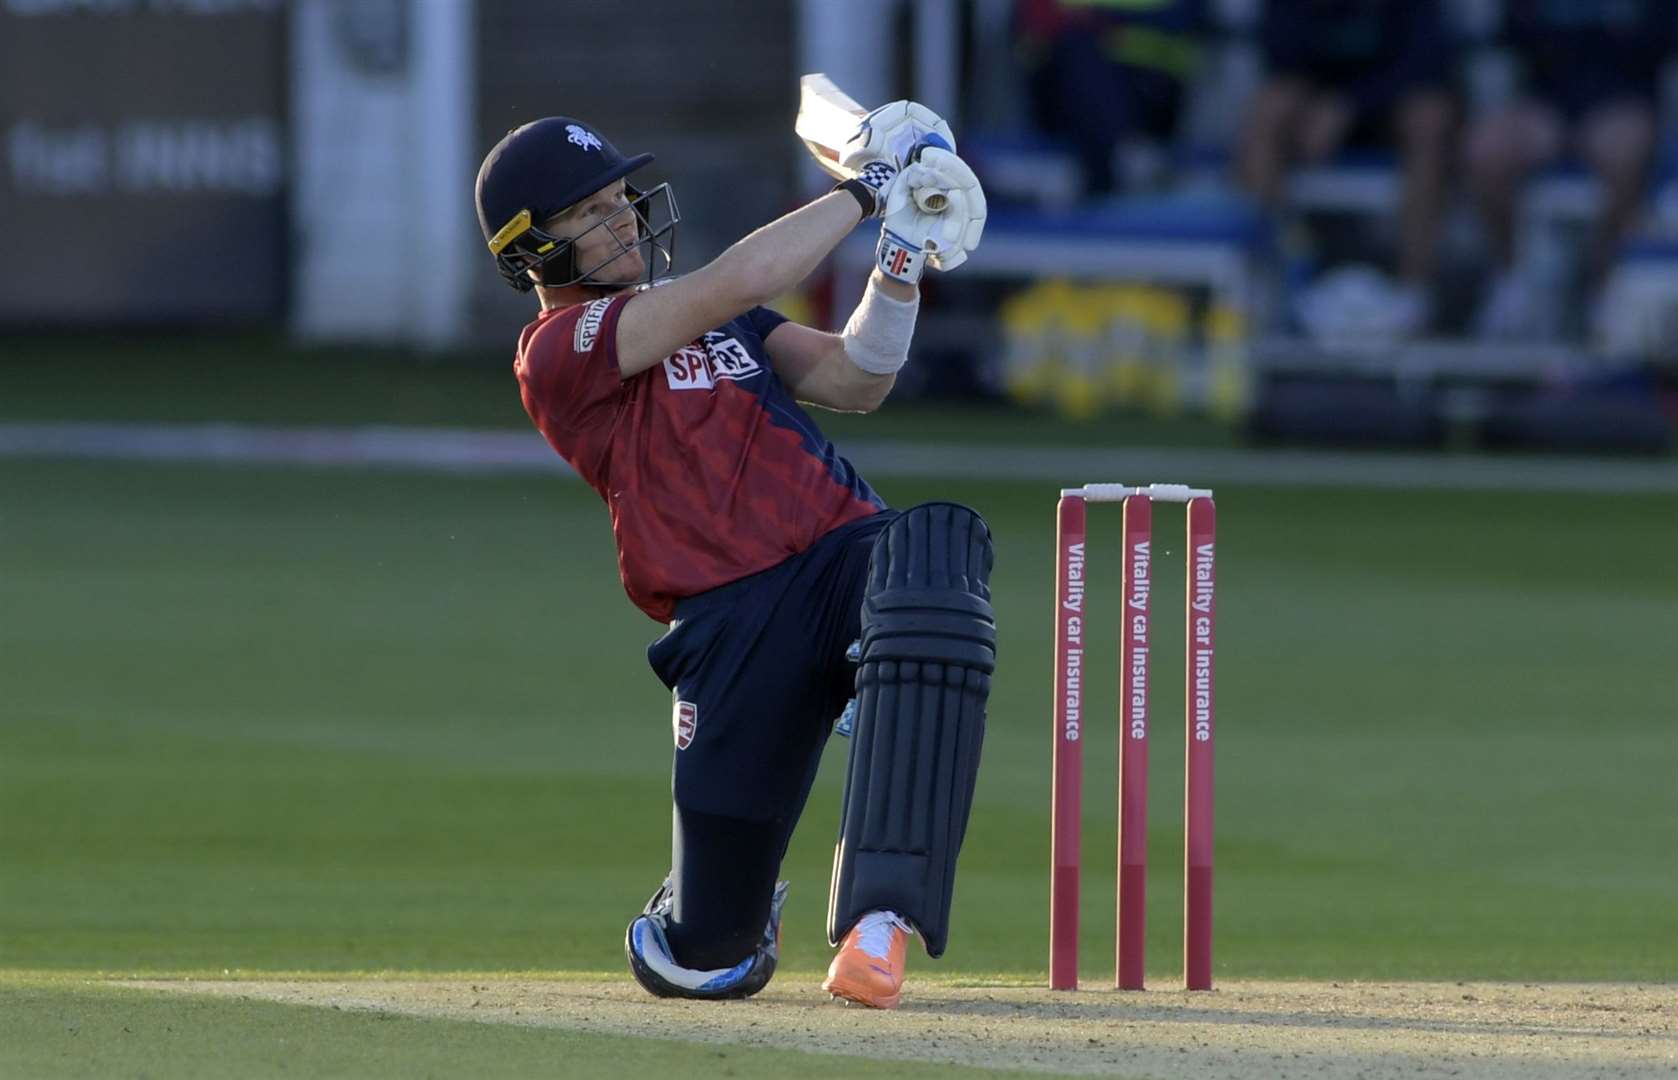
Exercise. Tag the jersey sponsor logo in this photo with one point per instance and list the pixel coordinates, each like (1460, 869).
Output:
(685, 721)
(729, 358)
(716, 356)
(686, 369)
(588, 327)
(582, 136)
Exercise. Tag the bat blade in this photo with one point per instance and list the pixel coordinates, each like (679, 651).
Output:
(827, 117)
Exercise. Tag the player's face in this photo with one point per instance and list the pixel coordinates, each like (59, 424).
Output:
(604, 243)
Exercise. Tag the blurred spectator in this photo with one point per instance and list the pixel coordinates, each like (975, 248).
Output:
(1363, 73)
(1105, 74)
(1590, 80)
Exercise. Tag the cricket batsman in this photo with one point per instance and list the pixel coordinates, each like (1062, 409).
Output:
(787, 585)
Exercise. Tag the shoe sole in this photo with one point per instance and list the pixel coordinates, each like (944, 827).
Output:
(844, 992)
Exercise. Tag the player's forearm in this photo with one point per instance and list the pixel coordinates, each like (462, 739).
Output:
(775, 258)
(875, 343)
(858, 390)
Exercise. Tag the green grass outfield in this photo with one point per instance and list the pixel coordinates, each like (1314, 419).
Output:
(340, 721)
(259, 379)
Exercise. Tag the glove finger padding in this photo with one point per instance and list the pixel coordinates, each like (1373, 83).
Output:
(918, 177)
(891, 132)
(949, 236)
(944, 235)
(908, 228)
(965, 215)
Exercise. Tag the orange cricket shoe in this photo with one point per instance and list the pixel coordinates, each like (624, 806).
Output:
(869, 967)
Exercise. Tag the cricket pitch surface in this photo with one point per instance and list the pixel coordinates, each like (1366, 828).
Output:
(1247, 1029)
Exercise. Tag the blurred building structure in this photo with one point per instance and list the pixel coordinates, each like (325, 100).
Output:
(145, 172)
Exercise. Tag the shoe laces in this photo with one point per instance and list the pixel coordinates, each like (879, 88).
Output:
(876, 930)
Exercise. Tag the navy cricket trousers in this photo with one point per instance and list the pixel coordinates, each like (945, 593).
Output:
(758, 672)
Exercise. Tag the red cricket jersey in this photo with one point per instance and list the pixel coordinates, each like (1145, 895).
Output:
(710, 469)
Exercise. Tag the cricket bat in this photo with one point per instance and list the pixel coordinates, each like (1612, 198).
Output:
(826, 118)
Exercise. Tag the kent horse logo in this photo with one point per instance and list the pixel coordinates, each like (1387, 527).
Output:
(582, 136)
(699, 366)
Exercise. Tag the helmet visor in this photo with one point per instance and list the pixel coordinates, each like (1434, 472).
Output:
(655, 231)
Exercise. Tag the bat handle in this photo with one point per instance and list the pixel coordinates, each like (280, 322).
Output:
(930, 200)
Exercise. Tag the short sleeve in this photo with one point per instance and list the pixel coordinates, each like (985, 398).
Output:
(762, 321)
(568, 366)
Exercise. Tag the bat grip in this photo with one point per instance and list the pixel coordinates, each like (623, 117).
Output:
(930, 200)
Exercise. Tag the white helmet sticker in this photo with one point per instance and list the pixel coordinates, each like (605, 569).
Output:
(582, 136)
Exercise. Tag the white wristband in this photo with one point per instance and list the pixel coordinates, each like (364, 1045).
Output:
(877, 336)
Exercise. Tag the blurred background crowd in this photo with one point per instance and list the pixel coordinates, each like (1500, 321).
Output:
(1464, 200)
(1319, 220)
(1464, 109)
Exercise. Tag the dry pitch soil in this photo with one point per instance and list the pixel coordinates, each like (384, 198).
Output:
(1259, 1030)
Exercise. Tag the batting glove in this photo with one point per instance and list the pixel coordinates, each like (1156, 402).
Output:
(911, 237)
(877, 177)
(899, 257)
(885, 141)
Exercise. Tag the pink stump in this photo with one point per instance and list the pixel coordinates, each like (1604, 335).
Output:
(1133, 742)
(1068, 743)
(1197, 787)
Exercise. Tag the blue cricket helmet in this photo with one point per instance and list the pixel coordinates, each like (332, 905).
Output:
(545, 166)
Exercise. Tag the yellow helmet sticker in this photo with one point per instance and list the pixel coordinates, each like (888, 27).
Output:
(510, 232)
